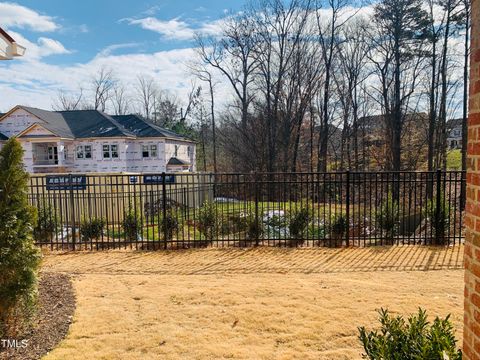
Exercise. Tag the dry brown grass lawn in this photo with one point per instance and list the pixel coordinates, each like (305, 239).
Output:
(248, 304)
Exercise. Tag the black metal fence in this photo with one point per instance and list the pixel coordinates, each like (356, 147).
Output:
(169, 211)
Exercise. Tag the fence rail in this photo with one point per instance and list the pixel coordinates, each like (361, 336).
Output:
(167, 211)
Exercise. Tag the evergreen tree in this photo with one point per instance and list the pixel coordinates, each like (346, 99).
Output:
(19, 258)
(401, 26)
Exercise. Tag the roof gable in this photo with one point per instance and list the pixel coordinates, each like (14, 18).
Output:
(36, 130)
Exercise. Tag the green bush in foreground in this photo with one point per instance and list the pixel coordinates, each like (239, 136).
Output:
(19, 258)
(414, 339)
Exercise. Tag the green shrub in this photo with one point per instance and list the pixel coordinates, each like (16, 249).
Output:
(439, 215)
(170, 224)
(339, 226)
(413, 339)
(48, 223)
(207, 221)
(91, 229)
(19, 258)
(387, 216)
(255, 229)
(298, 224)
(132, 224)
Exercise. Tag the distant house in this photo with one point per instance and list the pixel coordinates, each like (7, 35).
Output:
(9, 47)
(85, 141)
(454, 133)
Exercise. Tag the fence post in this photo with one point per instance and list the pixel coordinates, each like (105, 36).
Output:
(347, 201)
(257, 224)
(164, 210)
(437, 219)
(72, 202)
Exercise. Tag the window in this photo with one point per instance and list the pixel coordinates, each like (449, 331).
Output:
(110, 151)
(176, 150)
(189, 151)
(149, 151)
(84, 152)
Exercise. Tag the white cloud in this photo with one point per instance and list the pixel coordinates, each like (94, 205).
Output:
(170, 29)
(13, 15)
(50, 47)
(36, 83)
(176, 29)
(109, 50)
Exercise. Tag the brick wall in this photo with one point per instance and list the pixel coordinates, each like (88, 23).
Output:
(471, 342)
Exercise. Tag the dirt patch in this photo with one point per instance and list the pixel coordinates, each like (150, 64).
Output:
(52, 321)
(249, 304)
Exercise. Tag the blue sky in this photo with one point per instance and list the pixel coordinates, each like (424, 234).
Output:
(88, 26)
(77, 37)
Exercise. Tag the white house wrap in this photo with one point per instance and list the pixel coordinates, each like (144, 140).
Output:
(85, 141)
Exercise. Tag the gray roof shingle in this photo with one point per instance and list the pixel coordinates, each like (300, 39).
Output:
(80, 123)
(144, 128)
(93, 124)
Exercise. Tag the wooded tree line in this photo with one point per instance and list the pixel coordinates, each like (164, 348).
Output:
(308, 77)
(314, 85)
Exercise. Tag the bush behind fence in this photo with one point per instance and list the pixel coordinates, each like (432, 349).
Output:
(184, 210)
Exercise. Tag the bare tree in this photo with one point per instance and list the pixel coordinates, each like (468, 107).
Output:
(449, 9)
(353, 71)
(146, 94)
(232, 56)
(102, 84)
(201, 72)
(68, 102)
(328, 36)
(120, 100)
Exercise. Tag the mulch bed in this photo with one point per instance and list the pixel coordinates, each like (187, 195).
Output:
(51, 323)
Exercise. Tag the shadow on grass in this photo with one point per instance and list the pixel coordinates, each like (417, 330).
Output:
(258, 260)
